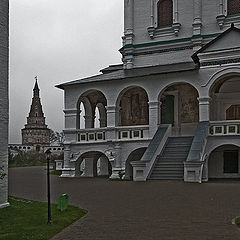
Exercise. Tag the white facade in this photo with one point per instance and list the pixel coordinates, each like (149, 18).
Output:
(4, 10)
(181, 74)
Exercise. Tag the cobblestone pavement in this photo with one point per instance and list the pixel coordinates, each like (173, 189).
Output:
(153, 210)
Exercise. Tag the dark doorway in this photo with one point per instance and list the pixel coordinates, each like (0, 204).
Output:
(230, 164)
(167, 113)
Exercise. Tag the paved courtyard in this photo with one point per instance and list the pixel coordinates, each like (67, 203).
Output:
(153, 210)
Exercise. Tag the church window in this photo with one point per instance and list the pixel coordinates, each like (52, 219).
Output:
(233, 7)
(165, 13)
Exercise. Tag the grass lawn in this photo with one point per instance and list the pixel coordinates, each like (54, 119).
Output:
(56, 172)
(26, 219)
(26, 164)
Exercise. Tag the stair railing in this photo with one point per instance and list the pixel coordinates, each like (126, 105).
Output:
(199, 142)
(203, 162)
(142, 168)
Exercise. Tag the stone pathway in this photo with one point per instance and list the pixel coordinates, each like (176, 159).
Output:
(153, 210)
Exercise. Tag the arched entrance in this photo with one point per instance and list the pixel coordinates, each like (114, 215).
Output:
(224, 162)
(225, 99)
(93, 164)
(133, 107)
(90, 101)
(135, 155)
(179, 107)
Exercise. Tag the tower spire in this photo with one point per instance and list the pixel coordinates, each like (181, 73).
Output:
(36, 84)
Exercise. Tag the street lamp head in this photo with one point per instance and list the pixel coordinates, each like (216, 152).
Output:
(48, 153)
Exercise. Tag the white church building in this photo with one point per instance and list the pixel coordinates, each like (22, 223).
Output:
(171, 110)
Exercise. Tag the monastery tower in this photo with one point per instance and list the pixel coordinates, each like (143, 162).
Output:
(36, 132)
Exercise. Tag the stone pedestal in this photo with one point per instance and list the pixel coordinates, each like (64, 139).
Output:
(192, 171)
(115, 172)
(139, 171)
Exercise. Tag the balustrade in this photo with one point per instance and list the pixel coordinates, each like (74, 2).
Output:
(129, 133)
(224, 128)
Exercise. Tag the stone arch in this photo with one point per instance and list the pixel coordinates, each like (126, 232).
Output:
(90, 168)
(224, 161)
(135, 155)
(132, 105)
(91, 99)
(88, 110)
(226, 72)
(224, 92)
(179, 106)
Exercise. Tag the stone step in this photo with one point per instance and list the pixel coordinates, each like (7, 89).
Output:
(169, 164)
(170, 158)
(166, 178)
(166, 167)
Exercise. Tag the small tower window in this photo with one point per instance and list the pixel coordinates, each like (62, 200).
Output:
(165, 13)
(233, 7)
(36, 114)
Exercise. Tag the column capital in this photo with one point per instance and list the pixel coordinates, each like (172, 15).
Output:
(112, 108)
(89, 117)
(154, 104)
(204, 100)
(71, 111)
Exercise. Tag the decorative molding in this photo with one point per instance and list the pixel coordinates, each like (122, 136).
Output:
(227, 20)
(154, 30)
(220, 20)
(167, 50)
(220, 62)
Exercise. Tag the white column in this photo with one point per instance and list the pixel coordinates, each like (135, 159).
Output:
(197, 21)
(4, 101)
(153, 117)
(129, 12)
(103, 122)
(204, 108)
(103, 166)
(89, 121)
(152, 13)
(111, 116)
(67, 153)
(71, 118)
(175, 11)
(90, 168)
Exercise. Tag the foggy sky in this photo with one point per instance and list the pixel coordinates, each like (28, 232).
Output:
(59, 41)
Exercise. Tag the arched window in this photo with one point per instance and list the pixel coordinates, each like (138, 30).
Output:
(165, 13)
(233, 7)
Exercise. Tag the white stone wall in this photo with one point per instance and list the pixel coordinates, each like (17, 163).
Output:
(201, 79)
(198, 24)
(4, 8)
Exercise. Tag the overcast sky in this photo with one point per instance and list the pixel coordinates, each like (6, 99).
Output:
(59, 41)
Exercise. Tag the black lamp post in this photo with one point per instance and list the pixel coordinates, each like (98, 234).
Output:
(48, 155)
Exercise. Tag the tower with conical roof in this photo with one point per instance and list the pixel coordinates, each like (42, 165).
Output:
(36, 132)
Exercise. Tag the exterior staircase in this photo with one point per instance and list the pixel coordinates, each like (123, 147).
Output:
(169, 163)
